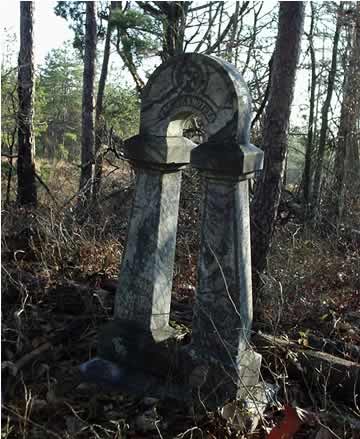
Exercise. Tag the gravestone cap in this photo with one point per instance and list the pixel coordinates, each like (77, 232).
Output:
(230, 159)
(160, 150)
(205, 87)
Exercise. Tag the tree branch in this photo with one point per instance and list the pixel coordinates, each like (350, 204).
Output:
(227, 29)
(266, 95)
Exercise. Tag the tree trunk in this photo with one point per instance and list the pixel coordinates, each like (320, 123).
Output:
(307, 182)
(87, 129)
(231, 44)
(26, 190)
(99, 121)
(316, 192)
(347, 169)
(275, 136)
(174, 28)
(126, 55)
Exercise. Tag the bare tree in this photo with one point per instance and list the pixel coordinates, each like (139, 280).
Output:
(275, 135)
(87, 129)
(99, 121)
(309, 151)
(26, 187)
(316, 190)
(8, 139)
(347, 166)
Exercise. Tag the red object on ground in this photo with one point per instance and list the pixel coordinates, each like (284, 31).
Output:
(288, 426)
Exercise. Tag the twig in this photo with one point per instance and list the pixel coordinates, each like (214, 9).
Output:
(9, 156)
(225, 281)
(31, 422)
(77, 194)
(158, 429)
(329, 430)
(266, 95)
(189, 430)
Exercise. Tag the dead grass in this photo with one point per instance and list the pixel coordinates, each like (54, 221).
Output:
(54, 300)
(318, 281)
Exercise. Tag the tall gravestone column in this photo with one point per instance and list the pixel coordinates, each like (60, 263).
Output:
(222, 320)
(223, 308)
(144, 291)
(139, 339)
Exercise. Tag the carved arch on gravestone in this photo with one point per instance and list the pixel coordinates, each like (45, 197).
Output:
(202, 86)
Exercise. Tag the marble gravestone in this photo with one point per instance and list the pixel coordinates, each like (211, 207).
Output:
(218, 363)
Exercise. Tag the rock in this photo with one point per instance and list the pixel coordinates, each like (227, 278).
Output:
(103, 373)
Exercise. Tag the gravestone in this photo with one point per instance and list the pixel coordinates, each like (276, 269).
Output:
(218, 363)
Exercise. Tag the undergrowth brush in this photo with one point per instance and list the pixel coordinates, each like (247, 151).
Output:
(58, 283)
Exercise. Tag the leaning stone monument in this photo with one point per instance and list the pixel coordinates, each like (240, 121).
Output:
(218, 363)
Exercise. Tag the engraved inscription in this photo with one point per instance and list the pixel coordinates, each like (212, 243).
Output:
(191, 101)
(190, 77)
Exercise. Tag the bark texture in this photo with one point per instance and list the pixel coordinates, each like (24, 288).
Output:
(308, 167)
(99, 121)
(173, 16)
(347, 166)
(87, 129)
(316, 193)
(26, 188)
(174, 28)
(275, 135)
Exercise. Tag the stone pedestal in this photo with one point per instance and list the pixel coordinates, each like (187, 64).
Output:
(148, 360)
(144, 292)
(223, 308)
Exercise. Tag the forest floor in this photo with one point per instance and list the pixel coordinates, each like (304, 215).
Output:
(58, 282)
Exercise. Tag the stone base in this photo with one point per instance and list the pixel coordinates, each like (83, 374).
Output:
(221, 383)
(157, 358)
(249, 365)
(125, 342)
(149, 356)
(244, 415)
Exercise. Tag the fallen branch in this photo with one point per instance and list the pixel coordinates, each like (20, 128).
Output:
(27, 358)
(335, 347)
(336, 375)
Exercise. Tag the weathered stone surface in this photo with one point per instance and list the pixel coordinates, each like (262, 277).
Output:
(159, 150)
(129, 344)
(213, 90)
(150, 362)
(248, 367)
(223, 308)
(196, 84)
(230, 159)
(224, 381)
(245, 415)
(144, 290)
